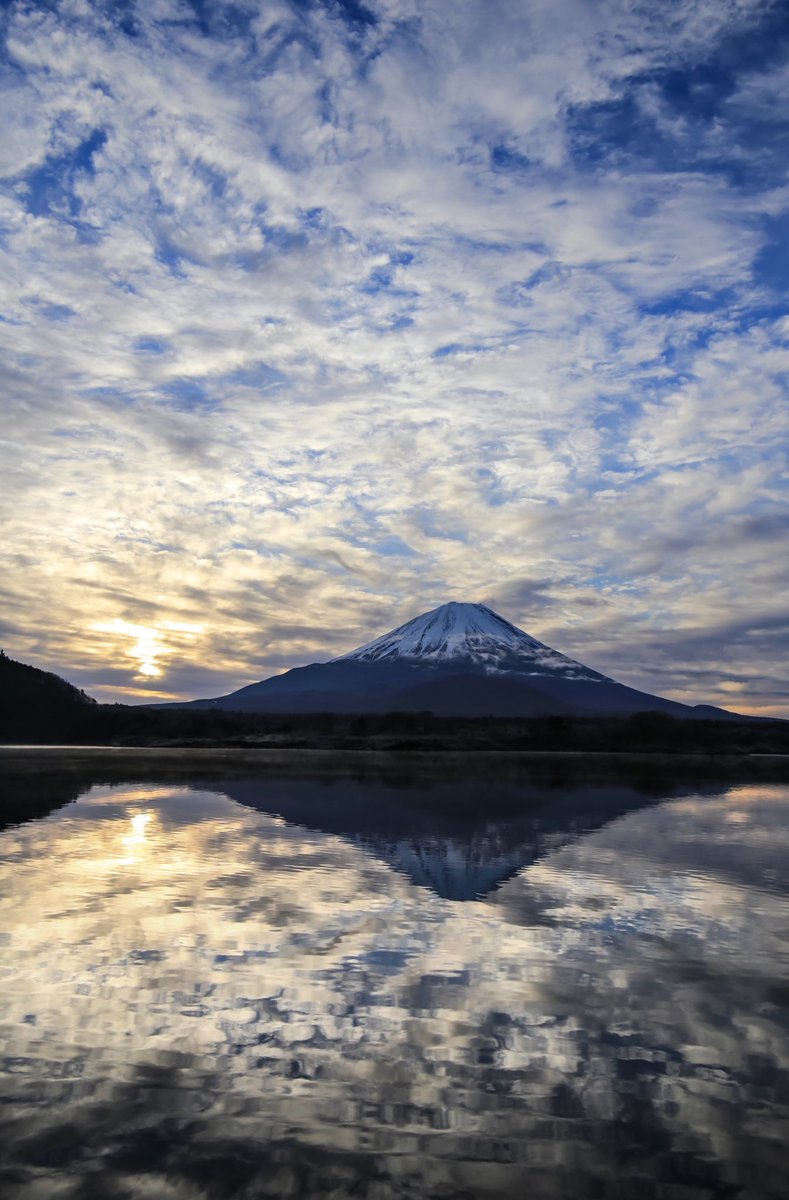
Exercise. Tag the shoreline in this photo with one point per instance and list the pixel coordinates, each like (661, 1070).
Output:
(193, 761)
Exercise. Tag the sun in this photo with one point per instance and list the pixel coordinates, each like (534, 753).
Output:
(150, 644)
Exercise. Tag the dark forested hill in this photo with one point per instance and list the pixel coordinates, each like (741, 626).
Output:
(37, 705)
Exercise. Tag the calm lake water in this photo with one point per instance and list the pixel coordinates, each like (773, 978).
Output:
(296, 988)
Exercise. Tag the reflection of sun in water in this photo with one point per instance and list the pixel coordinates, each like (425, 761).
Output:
(139, 822)
(136, 840)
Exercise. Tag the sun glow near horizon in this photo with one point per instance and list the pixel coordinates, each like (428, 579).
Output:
(149, 644)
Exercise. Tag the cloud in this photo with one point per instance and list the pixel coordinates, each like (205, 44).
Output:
(313, 316)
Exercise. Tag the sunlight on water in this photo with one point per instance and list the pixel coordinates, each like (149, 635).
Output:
(204, 999)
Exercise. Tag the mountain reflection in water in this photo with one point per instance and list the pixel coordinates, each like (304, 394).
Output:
(459, 838)
(272, 990)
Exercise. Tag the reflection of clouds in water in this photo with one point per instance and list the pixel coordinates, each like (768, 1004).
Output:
(251, 1008)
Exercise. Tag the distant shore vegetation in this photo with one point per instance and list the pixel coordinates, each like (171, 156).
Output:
(37, 707)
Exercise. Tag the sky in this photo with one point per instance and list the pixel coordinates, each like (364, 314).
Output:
(316, 314)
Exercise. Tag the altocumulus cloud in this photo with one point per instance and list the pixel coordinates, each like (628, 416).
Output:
(314, 315)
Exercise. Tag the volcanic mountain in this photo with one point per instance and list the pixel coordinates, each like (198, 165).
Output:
(457, 660)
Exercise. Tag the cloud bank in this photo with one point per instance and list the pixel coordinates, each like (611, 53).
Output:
(316, 315)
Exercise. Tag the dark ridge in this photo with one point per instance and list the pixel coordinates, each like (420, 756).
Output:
(35, 702)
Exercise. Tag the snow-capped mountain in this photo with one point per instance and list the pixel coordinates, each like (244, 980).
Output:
(468, 633)
(456, 660)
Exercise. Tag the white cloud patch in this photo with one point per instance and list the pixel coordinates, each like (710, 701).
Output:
(310, 323)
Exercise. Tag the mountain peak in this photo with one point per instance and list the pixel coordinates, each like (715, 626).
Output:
(460, 659)
(459, 631)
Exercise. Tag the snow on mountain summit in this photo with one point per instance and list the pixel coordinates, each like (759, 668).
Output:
(471, 632)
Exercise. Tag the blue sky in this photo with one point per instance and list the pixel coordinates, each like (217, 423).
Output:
(315, 315)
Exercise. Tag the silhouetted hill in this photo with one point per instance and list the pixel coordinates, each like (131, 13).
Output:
(37, 705)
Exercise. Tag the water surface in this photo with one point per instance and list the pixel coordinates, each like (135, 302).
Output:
(350, 988)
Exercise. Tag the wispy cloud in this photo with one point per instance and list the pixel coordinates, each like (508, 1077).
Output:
(314, 315)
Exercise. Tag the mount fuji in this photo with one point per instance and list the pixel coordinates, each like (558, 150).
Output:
(456, 660)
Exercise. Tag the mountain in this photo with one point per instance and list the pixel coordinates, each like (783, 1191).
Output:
(456, 660)
(36, 704)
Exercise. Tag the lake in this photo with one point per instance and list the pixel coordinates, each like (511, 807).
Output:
(349, 987)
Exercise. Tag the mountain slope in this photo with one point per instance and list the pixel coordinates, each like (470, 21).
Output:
(456, 660)
(36, 704)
